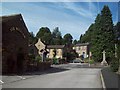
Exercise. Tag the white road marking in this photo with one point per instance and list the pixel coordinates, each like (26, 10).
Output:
(1, 81)
(21, 77)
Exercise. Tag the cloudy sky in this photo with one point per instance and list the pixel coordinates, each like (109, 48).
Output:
(70, 17)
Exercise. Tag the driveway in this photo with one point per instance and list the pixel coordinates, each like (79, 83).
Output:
(62, 76)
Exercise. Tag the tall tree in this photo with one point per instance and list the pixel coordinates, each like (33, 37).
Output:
(88, 35)
(56, 37)
(44, 34)
(104, 35)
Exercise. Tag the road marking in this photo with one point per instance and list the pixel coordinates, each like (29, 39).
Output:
(1, 81)
(103, 83)
(21, 77)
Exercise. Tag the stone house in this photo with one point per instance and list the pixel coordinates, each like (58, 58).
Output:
(14, 44)
(49, 49)
(59, 49)
(82, 49)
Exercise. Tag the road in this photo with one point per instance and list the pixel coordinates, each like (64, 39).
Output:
(62, 76)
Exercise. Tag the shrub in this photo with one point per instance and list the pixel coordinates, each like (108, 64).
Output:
(91, 61)
(114, 64)
(55, 61)
(38, 58)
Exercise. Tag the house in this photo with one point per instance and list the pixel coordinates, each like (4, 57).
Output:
(58, 49)
(14, 44)
(50, 50)
(82, 49)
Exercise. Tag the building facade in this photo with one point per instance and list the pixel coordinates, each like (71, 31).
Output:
(58, 49)
(82, 49)
(14, 44)
(50, 49)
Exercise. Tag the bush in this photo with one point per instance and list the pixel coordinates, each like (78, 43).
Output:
(38, 58)
(114, 64)
(55, 61)
(31, 57)
(48, 60)
(91, 61)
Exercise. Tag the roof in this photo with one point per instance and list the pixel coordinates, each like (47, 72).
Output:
(55, 46)
(8, 17)
(15, 20)
(82, 44)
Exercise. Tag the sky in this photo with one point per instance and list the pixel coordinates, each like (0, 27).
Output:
(71, 17)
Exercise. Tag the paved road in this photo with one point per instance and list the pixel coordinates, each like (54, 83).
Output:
(62, 76)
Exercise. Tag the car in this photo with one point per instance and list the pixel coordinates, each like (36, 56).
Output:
(76, 61)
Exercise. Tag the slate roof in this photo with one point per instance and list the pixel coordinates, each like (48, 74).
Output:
(82, 44)
(55, 46)
(8, 17)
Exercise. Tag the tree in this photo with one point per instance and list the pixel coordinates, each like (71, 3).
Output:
(44, 34)
(117, 34)
(103, 35)
(88, 35)
(32, 38)
(56, 37)
(80, 39)
(75, 42)
(68, 38)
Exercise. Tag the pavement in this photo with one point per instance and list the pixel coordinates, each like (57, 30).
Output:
(59, 76)
(111, 79)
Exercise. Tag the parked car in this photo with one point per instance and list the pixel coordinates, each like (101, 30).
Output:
(76, 61)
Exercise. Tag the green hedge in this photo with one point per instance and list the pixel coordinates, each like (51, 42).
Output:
(114, 64)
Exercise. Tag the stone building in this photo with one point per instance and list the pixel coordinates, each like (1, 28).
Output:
(49, 49)
(14, 44)
(59, 49)
(82, 49)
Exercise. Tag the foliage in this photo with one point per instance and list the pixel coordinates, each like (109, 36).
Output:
(75, 42)
(88, 35)
(48, 59)
(56, 37)
(31, 57)
(117, 34)
(101, 35)
(44, 34)
(70, 55)
(38, 58)
(68, 38)
(55, 61)
(32, 38)
(91, 61)
(114, 64)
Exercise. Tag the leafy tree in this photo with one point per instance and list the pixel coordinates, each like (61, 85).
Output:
(44, 34)
(68, 38)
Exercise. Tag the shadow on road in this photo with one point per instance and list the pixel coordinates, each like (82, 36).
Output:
(51, 70)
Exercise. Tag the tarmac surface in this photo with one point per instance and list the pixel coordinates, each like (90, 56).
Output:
(71, 75)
